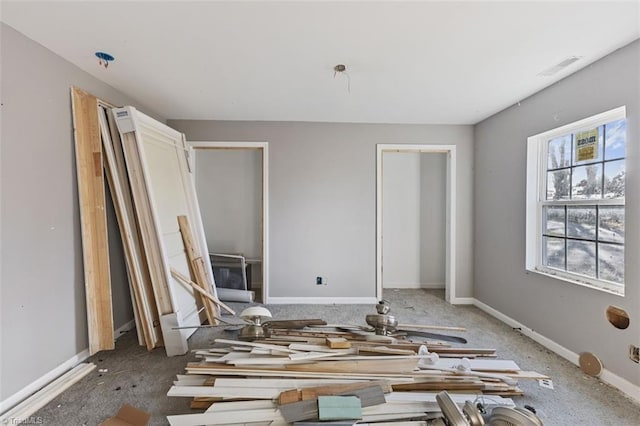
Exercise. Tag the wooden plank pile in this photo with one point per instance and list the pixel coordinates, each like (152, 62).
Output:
(145, 164)
(287, 378)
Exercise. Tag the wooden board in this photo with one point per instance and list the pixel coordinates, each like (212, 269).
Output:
(147, 289)
(93, 220)
(197, 268)
(143, 299)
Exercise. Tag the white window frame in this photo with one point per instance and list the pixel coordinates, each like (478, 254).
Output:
(536, 187)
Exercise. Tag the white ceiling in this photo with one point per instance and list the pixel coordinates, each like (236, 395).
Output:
(408, 62)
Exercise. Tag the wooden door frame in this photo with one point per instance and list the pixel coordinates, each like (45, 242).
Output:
(450, 267)
(264, 146)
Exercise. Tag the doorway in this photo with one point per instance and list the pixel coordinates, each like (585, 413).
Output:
(231, 180)
(415, 206)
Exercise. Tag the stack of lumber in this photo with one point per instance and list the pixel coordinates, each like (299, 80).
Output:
(145, 166)
(287, 378)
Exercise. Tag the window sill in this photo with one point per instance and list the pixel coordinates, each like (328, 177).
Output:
(615, 289)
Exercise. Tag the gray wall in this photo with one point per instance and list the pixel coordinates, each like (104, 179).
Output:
(413, 219)
(568, 314)
(43, 308)
(322, 195)
(400, 220)
(229, 187)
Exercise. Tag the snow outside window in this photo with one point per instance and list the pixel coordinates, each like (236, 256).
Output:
(576, 201)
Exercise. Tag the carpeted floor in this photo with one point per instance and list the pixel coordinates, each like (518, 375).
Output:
(142, 378)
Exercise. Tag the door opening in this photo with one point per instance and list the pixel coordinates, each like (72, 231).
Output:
(414, 249)
(232, 186)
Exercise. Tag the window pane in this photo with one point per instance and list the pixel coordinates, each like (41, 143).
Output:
(581, 257)
(559, 152)
(581, 222)
(558, 185)
(614, 173)
(611, 262)
(585, 152)
(554, 221)
(611, 226)
(586, 182)
(615, 139)
(553, 255)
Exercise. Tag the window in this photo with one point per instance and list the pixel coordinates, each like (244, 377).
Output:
(576, 201)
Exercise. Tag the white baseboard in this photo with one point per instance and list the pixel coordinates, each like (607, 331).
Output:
(47, 378)
(42, 381)
(124, 328)
(463, 301)
(630, 389)
(322, 300)
(426, 286)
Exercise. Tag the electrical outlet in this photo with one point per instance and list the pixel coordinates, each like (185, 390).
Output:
(634, 353)
(318, 280)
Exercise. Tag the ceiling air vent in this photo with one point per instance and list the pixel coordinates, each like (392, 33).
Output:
(560, 66)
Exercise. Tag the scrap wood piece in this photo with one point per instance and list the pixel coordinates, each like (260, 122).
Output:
(184, 279)
(319, 355)
(401, 408)
(292, 383)
(485, 365)
(338, 343)
(143, 299)
(295, 395)
(458, 398)
(466, 385)
(204, 403)
(224, 392)
(360, 366)
(226, 370)
(197, 268)
(93, 220)
(299, 411)
(311, 347)
(230, 417)
(254, 344)
(221, 407)
(384, 350)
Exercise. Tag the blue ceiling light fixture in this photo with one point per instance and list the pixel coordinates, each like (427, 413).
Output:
(104, 58)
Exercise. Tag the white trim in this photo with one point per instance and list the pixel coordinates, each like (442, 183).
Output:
(630, 389)
(24, 411)
(594, 120)
(426, 286)
(265, 197)
(56, 372)
(42, 381)
(463, 301)
(227, 144)
(450, 268)
(124, 328)
(323, 300)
